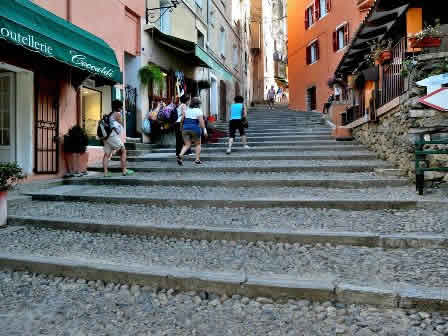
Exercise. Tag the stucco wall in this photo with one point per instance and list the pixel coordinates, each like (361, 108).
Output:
(303, 76)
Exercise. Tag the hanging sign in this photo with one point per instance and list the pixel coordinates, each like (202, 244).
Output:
(434, 83)
(437, 100)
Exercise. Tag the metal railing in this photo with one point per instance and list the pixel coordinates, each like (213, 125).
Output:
(393, 83)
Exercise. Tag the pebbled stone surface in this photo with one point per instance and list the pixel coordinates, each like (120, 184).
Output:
(34, 304)
(375, 267)
(300, 219)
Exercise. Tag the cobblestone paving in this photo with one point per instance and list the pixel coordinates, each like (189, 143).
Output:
(374, 266)
(261, 163)
(34, 304)
(301, 219)
(254, 193)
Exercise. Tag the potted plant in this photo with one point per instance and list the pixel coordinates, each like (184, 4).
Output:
(429, 37)
(150, 73)
(75, 151)
(10, 174)
(381, 51)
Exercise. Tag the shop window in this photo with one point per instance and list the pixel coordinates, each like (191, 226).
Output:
(341, 37)
(309, 17)
(312, 53)
(91, 102)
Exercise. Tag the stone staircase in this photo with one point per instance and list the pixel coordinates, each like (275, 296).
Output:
(297, 216)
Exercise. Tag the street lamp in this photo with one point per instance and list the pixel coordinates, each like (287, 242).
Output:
(151, 12)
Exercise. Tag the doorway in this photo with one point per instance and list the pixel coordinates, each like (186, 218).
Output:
(312, 99)
(223, 101)
(131, 111)
(214, 97)
(46, 126)
(7, 117)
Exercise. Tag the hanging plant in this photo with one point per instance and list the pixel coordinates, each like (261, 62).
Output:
(150, 73)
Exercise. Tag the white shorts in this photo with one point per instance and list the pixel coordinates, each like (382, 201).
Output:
(112, 144)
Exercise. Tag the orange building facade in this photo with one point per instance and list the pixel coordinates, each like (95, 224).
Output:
(319, 33)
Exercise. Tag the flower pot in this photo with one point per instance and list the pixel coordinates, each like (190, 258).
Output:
(385, 56)
(3, 208)
(69, 159)
(426, 42)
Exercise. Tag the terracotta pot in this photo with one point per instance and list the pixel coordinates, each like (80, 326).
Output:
(83, 161)
(3, 208)
(426, 42)
(385, 56)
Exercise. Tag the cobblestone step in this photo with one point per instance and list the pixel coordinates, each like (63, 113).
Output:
(390, 278)
(256, 197)
(345, 182)
(367, 239)
(87, 306)
(420, 221)
(279, 143)
(266, 156)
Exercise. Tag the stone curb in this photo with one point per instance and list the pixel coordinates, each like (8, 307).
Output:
(340, 184)
(220, 203)
(249, 157)
(367, 239)
(269, 169)
(271, 286)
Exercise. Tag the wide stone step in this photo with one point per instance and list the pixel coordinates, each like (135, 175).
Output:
(345, 227)
(318, 141)
(154, 311)
(256, 197)
(389, 278)
(235, 181)
(257, 157)
(252, 138)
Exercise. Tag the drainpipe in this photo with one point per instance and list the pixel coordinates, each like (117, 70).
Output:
(209, 77)
(69, 10)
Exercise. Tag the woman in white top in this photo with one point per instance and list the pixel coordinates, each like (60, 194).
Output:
(193, 124)
(181, 109)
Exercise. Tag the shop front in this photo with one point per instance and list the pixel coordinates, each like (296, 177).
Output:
(44, 62)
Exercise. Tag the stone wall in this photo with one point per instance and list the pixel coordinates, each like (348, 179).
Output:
(393, 136)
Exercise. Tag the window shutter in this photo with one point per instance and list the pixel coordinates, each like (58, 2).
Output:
(328, 6)
(307, 21)
(316, 10)
(335, 41)
(308, 55)
(347, 34)
(317, 51)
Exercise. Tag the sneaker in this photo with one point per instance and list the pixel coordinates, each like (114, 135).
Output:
(229, 150)
(128, 172)
(109, 174)
(85, 173)
(198, 162)
(68, 175)
(246, 147)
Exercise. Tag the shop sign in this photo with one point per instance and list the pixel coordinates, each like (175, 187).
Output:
(434, 83)
(437, 100)
(73, 57)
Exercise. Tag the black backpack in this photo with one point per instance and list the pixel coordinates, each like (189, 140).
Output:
(104, 128)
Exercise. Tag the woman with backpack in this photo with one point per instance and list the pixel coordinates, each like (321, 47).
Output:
(193, 128)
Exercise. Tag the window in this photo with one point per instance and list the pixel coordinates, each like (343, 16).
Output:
(309, 17)
(212, 18)
(236, 56)
(201, 39)
(199, 3)
(91, 104)
(312, 53)
(165, 19)
(341, 37)
(5, 110)
(321, 8)
(222, 41)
